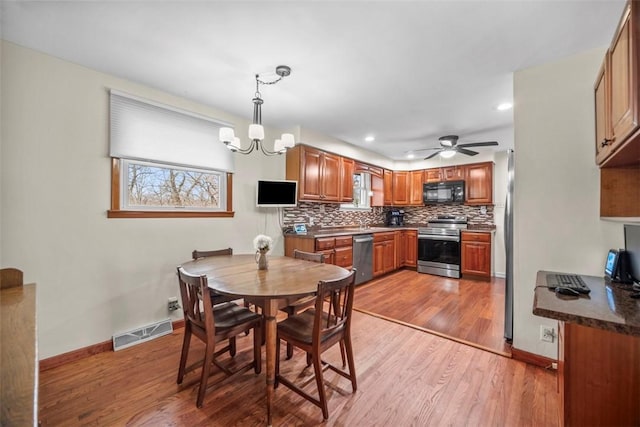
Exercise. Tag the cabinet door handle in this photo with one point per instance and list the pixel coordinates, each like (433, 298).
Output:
(605, 142)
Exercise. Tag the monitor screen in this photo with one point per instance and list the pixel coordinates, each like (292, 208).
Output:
(610, 266)
(632, 246)
(276, 193)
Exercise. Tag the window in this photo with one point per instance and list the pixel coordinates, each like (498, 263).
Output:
(155, 186)
(361, 192)
(166, 162)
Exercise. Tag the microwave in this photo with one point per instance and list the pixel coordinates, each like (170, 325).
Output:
(443, 192)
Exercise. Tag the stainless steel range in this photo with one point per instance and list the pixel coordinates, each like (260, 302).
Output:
(439, 246)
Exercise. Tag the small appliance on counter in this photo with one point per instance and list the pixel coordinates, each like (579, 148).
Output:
(395, 218)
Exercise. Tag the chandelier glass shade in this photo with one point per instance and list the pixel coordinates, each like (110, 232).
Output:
(256, 130)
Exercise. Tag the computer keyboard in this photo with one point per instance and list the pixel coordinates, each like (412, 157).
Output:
(572, 281)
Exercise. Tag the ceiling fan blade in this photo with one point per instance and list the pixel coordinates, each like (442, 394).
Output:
(432, 155)
(467, 152)
(424, 149)
(479, 144)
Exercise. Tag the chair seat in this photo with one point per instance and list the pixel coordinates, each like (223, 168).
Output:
(298, 305)
(300, 326)
(219, 299)
(229, 314)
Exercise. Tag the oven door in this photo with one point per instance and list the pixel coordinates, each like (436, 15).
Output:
(439, 255)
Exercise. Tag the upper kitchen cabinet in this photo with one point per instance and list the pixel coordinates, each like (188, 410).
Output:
(347, 169)
(433, 175)
(318, 173)
(388, 187)
(401, 188)
(479, 184)
(416, 179)
(453, 173)
(617, 96)
(373, 170)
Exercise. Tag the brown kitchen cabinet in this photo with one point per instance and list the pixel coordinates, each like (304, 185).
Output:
(411, 249)
(343, 252)
(401, 247)
(453, 173)
(373, 170)
(433, 175)
(416, 179)
(476, 254)
(616, 89)
(377, 188)
(479, 184)
(318, 173)
(347, 169)
(388, 187)
(384, 253)
(401, 188)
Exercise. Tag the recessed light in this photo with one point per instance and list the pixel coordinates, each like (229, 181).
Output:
(370, 138)
(504, 106)
(410, 156)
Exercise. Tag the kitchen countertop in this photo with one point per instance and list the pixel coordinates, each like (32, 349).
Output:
(607, 307)
(347, 231)
(312, 233)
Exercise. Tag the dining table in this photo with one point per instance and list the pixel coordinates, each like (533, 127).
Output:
(285, 280)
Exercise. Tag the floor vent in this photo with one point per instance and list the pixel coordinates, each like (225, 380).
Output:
(140, 335)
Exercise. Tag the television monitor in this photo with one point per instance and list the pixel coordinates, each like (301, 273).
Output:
(274, 194)
(632, 246)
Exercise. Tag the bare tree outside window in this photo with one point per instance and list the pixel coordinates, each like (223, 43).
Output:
(157, 186)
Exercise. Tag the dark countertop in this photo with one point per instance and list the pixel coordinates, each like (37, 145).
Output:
(607, 307)
(476, 228)
(347, 231)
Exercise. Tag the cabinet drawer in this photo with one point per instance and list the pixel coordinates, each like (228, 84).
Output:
(383, 237)
(344, 257)
(344, 241)
(476, 237)
(323, 243)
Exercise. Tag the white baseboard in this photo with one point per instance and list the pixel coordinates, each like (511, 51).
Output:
(500, 274)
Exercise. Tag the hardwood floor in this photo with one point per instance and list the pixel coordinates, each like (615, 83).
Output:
(405, 378)
(471, 311)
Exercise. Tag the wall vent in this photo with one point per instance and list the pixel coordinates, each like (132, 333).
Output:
(140, 335)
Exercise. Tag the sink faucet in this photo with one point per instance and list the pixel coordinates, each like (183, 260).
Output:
(361, 224)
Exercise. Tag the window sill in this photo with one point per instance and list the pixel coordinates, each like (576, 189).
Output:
(165, 214)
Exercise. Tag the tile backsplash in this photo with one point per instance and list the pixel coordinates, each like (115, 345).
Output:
(330, 215)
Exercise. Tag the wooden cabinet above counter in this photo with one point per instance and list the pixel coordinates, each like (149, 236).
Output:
(328, 177)
(617, 119)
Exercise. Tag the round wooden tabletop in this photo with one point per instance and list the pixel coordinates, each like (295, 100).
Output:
(238, 275)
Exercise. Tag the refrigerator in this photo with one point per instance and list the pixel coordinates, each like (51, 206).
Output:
(508, 247)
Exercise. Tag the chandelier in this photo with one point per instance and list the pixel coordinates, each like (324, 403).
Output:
(256, 131)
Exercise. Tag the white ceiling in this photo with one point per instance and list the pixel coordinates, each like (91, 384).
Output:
(404, 71)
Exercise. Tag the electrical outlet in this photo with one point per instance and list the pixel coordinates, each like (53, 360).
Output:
(547, 333)
(173, 304)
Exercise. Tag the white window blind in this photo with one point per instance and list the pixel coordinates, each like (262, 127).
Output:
(145, 130)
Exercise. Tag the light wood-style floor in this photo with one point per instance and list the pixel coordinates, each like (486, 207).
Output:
(406, 377)
(467, 310)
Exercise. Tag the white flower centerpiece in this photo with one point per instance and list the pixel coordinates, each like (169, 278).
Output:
(262, 244)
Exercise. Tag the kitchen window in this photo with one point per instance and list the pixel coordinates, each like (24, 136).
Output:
(166, 162)
(361, 193)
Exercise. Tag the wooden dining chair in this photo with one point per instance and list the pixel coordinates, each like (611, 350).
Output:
(213, 324)
(216, 298)
(318, 329)
(11, 278)
(303, 303)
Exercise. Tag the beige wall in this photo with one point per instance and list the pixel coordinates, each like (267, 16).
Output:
(557, 224)
(97, 276)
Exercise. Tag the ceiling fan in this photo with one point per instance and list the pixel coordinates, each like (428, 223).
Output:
(449, 147)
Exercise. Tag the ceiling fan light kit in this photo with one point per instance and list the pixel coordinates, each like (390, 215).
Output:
(256, 130)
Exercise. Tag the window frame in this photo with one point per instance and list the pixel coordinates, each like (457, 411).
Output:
(116, 210)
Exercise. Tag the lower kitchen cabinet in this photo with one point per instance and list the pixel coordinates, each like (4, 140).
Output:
(384, 253)
(476, 254)
(411, 249)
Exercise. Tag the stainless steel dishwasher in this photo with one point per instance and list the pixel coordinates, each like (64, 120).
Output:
(363, 257)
